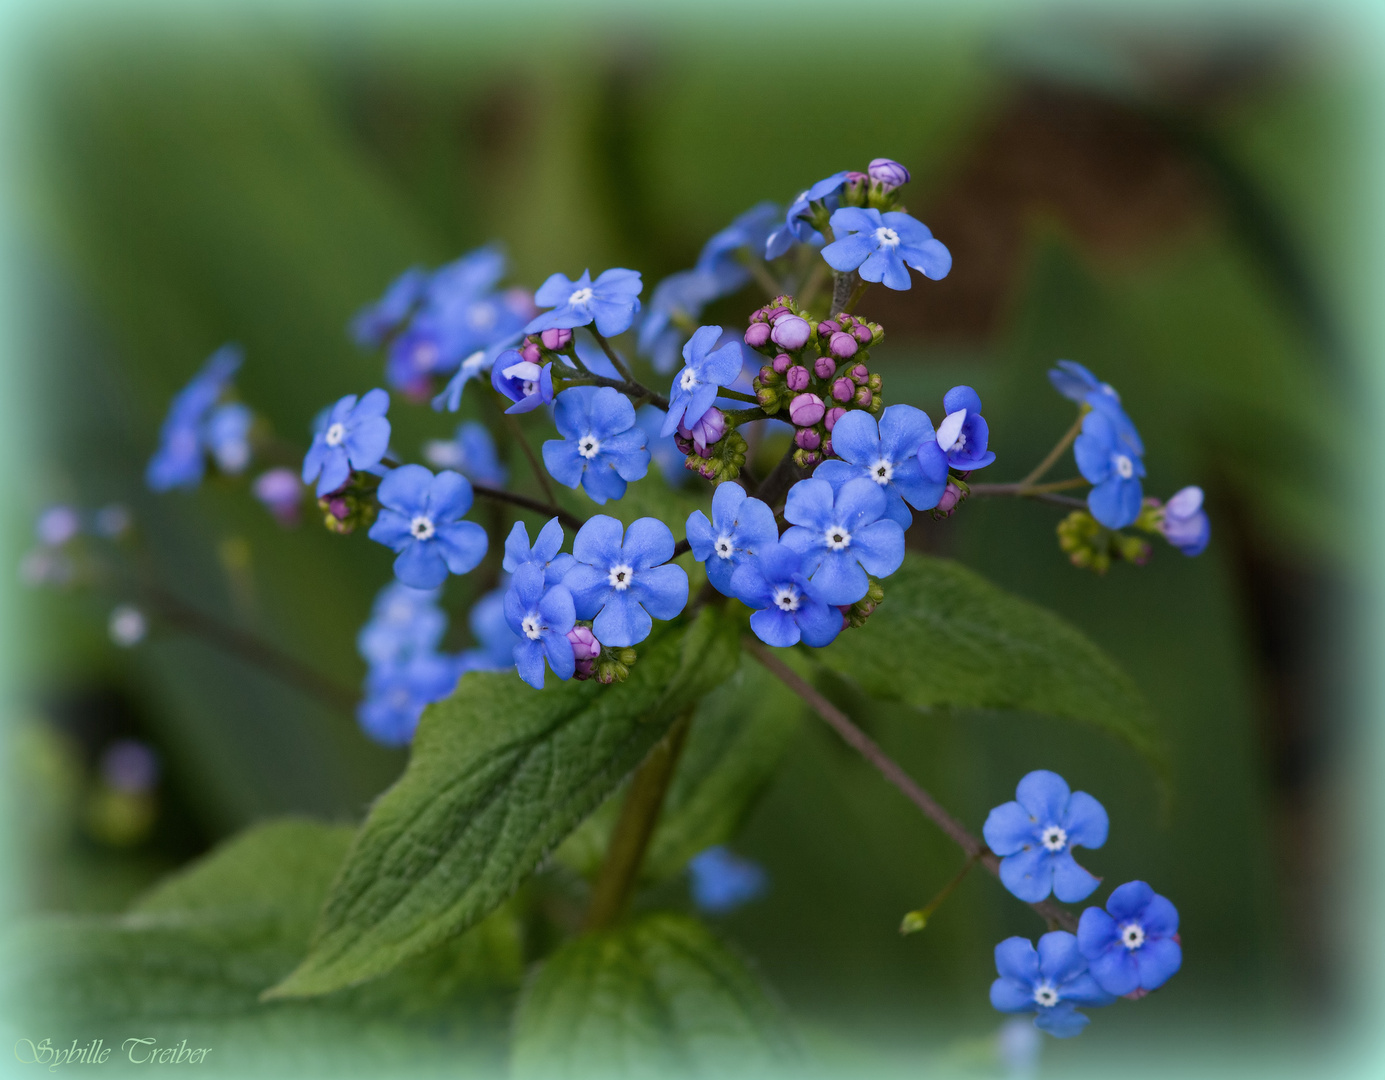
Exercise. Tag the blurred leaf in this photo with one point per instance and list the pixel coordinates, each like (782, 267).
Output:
(658, 997)
(946, 636)
(498, 775)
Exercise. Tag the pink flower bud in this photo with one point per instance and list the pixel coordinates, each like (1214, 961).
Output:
(706, 431)
(863, 397)
(757, 335)
(828, 327)
(843, 389)
(806, 410)
(833, 415)
(862, 334)
(861, 374)
(827, 448)
(951, 495)
(888, 174)
(807, 438)
(790, 332)
(797, 377)
(774, 312)
(842, 346)
(556, 339)
(338, 508)
(530, 352)
(767, 374)
(583, 670)
(823, 367)
(584, 643)
(782, 362)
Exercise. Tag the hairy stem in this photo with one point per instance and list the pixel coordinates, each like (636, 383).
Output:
(1053, 455)
(856, 295)
(634, 828)
(571, 520)
(613, 356)
(859, 741)
(632, 390)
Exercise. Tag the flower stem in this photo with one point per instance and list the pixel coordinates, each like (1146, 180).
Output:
(612, 355)
(843, 289)
(862, 743)
(571, 520)
(856, 295)
(635, 391)
(917, 920)
(635, 827)
(1057, 452)
(540, 473)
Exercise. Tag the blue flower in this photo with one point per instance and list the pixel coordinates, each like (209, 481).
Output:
(740, 527)
(179, 460)
(470, 452)
(1035, 836)
(1051, 982)
(495, 649)
(1184, 522)
(421, 520)
(602, 447)
(403, 622)
(525, 383)
(787, 606)
(354, 435)
(1110, 460)
(540, 615)
(623, 584)
(722, 881)
(1133, 944)
(844, 535)
(694, 388)
(797, 222)
(545, 553)
(748, 232)
(397, 694)
(887, 453)
(663, 449)
(611, 300)
(879, 247)
(1076, 383)
(374, 323)
(963, 434)
(227, 436)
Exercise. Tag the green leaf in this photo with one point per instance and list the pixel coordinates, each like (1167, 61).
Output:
(946, 636)
(499, 774)
(658, 997)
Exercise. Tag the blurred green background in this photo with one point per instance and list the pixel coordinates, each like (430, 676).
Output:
(1172, 205)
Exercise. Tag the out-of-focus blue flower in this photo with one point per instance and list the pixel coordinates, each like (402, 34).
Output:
(963, 434)
(525, 383)
(1133, 944)
(57, 525)
(374, 323)
(662, 448)
(397, 694)
(545, 554)
(887, 453)
(797, 225)
(880, 246)
(540, 615)
(420, 518)
(227, 436)
(1050, 982)
(611, 301)
(621, 584)
(1076, 383)
(355, 435)
(470, 452)
(1019, 1046)
(602, 448)
(748, 232)
(179, 460)
(1185, 523)
(679, 298)
(404, 622)
(787, 606)
(1035, 836)
(722, 881)
(474, 366)
(705, 370)
(1109, 459)
(844, 535)
(495, 649)
(281, 493)
(740, 527)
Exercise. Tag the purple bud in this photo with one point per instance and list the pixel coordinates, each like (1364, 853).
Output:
(843, 389)
(790, 332)
(863, 397)
(888, 174)
(828, 327)
(584, 643)
(806, 410)
(842, 346)
(951, 495)
(530, 352)
(861, 374)
(583, 670)
(757, 335)
(797, 377)
(281, 492)
(823, 367)
(766, 374)
(862, 333)
(782, 362)
(807, 438)
(338, 508)
(811, 457)
(827, 448)
(833, 415)
(774, 312)
(556, 339)
(706, 431)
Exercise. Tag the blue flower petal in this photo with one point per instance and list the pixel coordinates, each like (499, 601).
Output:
(1017, 961)
(1009, 827)
(1028, 874)
(621, 622)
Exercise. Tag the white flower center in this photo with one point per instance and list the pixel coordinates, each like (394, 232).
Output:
(886, 237)
(620, 576)
(335, 434)
(1125, 468)
(724, 547)
(580, 297)
(1046, 995)
(589, 446)
(530, 625)
(1132, 936)
(1055, 838)
(836, 538)
(882, 471)
(786, 597)
(529, 388)
(688, 379)
(422, 527)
